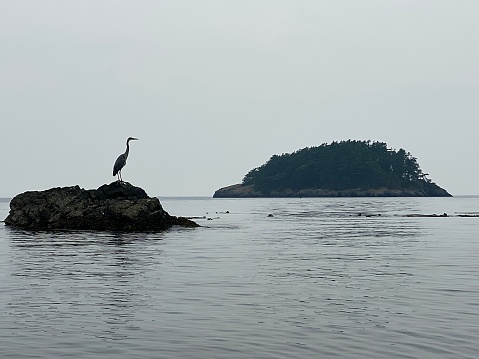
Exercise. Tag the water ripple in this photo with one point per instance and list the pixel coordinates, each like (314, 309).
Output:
(314, 280)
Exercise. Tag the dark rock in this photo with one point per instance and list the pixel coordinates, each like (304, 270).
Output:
(118, 190)
(434, 215)
(113, 207)
(237, 190)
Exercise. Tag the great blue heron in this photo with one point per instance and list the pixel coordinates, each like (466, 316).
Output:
(121, 160)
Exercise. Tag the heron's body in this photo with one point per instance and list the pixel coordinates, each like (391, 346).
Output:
(121, 160)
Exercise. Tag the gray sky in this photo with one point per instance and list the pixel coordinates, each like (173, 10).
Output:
(214, 88)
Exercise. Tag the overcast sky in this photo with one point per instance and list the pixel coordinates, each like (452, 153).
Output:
(213, 88)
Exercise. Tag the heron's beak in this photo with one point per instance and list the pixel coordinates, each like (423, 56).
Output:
(134, 138)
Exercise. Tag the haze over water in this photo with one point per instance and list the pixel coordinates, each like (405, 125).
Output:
(314, 280)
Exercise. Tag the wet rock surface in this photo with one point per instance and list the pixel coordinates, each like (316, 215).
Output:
(113, 207)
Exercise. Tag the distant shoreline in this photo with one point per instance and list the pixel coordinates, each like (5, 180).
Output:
(248, 191)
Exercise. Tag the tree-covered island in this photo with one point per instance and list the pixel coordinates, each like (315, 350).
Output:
(340, 169)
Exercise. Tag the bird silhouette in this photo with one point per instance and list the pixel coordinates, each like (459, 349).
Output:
(121, 160)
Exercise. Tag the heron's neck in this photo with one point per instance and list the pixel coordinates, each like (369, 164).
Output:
(127, 149)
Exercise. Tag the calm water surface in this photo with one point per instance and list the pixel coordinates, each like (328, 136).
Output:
(314, 281)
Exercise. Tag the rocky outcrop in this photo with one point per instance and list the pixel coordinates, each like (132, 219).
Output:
(237, 191)
(248, 191)
(113, 207)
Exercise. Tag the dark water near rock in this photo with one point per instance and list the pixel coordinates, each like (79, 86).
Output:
(314, 280)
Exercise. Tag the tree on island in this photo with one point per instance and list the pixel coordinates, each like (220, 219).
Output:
(339, 166)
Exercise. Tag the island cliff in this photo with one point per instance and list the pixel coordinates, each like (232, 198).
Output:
(114, 207)
(340, 169)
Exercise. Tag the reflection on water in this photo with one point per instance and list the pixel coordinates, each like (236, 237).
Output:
(314, 280)
(65, 275)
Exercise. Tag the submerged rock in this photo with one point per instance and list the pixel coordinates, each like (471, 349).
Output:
(113, 207)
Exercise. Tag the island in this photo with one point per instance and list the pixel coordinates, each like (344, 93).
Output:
(118, 206)
(341, 169)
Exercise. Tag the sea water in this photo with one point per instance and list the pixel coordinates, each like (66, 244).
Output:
(262, 278)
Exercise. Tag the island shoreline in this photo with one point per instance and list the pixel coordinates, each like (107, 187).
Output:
(248, 191)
